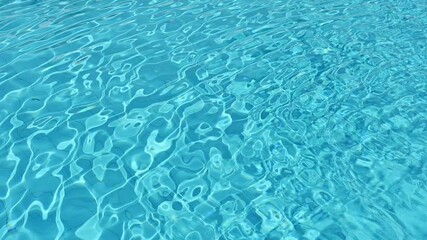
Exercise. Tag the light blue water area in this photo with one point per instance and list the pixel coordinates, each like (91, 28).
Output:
(213, 119)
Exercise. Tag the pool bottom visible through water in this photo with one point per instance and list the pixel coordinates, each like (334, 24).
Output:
(196, 119)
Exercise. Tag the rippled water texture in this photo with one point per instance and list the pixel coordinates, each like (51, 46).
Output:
(209, 119)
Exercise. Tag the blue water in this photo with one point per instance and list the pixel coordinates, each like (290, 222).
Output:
(213, 119)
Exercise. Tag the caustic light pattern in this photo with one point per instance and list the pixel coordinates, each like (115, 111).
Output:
(213, 119)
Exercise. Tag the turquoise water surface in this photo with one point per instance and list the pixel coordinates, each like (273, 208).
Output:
(213, 119)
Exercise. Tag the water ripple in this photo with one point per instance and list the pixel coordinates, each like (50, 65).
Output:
(212, 119)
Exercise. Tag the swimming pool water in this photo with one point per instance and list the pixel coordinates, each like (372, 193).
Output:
(213, 119)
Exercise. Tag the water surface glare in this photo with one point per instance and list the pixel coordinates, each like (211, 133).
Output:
(213, 119)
